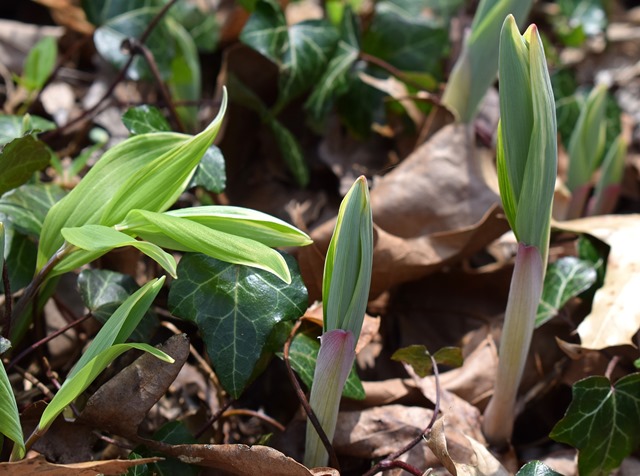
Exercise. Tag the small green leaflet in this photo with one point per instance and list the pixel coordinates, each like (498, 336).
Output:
(536, 468)
(235, 308)
(20, 159)
(39, 64)
(303, 354)
(420, 359)
(602, 422)
(566, 278)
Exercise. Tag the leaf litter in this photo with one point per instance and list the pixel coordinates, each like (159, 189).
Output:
(435, 282)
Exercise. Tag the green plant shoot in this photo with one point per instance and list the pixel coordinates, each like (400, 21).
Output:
(527, 165)
(476, 67)
(608, 186)
(345, 292)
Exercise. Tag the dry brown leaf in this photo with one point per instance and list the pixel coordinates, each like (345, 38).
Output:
(69, 13)
(122, 403)
(398, 91)
(39, 465)
(615, 315)
(437, 443)
(433, 208)
(238, 460)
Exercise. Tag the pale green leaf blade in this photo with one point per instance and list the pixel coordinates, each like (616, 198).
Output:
(602, 423)
(217, 244)
(566, 278)
(39, 64)
(235, 309)
(9, 416)
(121, 324)
(103, 238)
(509, 199)
(78, 383)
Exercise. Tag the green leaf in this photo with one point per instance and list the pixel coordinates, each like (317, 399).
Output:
(103, 238)
(81, 379)
(602, 422)
(290, 150)
(235, 309)
(11, 127)
(144, 119)
(20, 159)
(27, 206)
(301, 51)
(103, 291)
(536, 468)
(39, 64)
(449, 356)
(147, 171)
(121, 324)
(211, 174)
(100, 11)
(405, 40)
(193, 236)
(21, 260)
(201, 25)
(303, 354)
(565, 279)
(334, 81)
(417, 356)
(5, 345)
(108, 39)
(9, 416)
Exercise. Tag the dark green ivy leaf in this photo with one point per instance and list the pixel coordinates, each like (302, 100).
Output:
(26, 206)
(602, 422)
(303, 355)
(11, 127)
(101, 11)
(536, 468)
(21, 261)
(566, 278)
(20, 159)
(235, 308)
(210, 173)
(143, 119)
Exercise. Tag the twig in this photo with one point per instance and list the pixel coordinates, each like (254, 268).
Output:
(386, 465)
(612, 365)
(120, 76)
(253, 413)
(333, 459)
(34, 380)
(46, 339)
(7, 299)
(392, 457)
(213, 419)
(135, 47)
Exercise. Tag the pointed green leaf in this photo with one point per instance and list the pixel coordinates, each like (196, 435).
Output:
(9, 417)
(194, 236)
(78, 383)
(39, 64)
(303, 354)
(235, 308)
(147, 171)
(347, 269)
(608, 187)
(103, 238)
(121, 324)
(144, 119)
(602, 423)
(566, 278)
(290, 150)
(20, 159)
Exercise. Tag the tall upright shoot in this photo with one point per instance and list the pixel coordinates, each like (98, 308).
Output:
(345, 292)
(527, 167)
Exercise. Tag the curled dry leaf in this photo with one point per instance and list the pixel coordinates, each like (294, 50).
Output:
(615, 315)
(39, 465)
(237, 460)
(121, 404)
(433, 208)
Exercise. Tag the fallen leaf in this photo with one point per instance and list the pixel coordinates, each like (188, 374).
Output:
(615, 315)
(121, 404)
(39, 465)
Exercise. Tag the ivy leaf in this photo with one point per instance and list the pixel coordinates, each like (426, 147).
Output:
(21, 261)
(11, 127)
(405, 40)
(290, 150)
(20, 159)
(602, 423)
(301, 51)
(211, 174)
(334, 80)
(27, 206)
(566, 278)
(235, 307)
(101, 11)
(536, 468)
(303, 355)
(143, 119)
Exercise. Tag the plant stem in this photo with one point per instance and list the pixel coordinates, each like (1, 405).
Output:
(7, 299)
